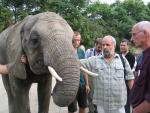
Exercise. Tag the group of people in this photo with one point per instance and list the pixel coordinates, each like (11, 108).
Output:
(120, 84)
(116, 88)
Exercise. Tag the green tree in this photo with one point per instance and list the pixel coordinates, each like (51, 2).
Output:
(5, 17)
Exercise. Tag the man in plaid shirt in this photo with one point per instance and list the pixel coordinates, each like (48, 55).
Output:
(110, 93)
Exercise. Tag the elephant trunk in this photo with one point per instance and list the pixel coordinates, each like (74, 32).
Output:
(65, 92)
(64, 61)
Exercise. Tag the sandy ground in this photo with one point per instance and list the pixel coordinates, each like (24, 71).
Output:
(33, 101)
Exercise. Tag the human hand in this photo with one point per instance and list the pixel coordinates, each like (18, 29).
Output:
(3, 69)
(87, 89)
(24, 59)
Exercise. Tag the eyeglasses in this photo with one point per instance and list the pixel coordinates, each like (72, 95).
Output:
(134, 34)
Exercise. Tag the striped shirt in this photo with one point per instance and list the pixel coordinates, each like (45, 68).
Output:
(110, 90)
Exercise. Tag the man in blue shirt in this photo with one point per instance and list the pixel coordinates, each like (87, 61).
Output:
(89, 53)
(96, 50)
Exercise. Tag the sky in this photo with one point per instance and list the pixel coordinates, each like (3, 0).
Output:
(112, 1)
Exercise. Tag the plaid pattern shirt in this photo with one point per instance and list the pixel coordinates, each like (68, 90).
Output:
(110, 90)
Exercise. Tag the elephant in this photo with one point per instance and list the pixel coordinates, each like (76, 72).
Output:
(46, 40)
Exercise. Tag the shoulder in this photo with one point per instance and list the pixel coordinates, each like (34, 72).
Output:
(80, 53)
(120, 59)
(118, 56)
(130, 55)
(80, 50)
(88, 50)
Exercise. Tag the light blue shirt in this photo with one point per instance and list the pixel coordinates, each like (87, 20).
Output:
(110, 90)
(91, 52)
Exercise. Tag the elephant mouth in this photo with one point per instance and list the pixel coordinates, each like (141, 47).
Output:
(38, 67)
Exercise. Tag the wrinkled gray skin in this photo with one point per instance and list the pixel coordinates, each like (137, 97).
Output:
(46, 39)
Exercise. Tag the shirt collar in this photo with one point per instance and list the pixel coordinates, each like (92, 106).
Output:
(115, 56)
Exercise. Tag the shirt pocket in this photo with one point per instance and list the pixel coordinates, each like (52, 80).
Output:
(119, 71)
(99, 69)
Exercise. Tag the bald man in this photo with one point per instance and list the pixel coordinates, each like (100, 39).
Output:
(110, 93)
(140, 94)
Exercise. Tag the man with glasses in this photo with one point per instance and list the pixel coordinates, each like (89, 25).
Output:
(140, 93)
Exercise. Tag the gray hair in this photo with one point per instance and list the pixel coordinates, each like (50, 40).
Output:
(142, 25)
(112, 38)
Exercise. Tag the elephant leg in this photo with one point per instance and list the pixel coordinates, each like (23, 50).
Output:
(44, 93)
(20, 93)
(9, 94)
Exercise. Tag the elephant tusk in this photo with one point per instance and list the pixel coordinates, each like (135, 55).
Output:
(54, 74)
(88, 72)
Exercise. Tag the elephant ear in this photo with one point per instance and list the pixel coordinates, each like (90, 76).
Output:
(14, 51)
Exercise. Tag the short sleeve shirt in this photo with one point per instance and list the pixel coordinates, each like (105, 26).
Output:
(81, 55)
(110, 90)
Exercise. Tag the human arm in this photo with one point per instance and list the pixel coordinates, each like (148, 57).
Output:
(129, 76)
(3, 69)
(87, 82)
(144, 107)
(87, 66)
(87, 53)
(130, 83)
(24, 59)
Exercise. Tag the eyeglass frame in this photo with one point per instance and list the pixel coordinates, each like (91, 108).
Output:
(136, 33)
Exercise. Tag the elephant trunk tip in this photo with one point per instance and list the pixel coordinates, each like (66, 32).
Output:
(63, 98)
(62, 101)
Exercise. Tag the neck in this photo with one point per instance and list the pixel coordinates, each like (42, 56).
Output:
(109, 59)
(125, 53)
(145, 46)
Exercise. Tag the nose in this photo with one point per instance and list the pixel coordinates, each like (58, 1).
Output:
(132, 41)
(104, 46)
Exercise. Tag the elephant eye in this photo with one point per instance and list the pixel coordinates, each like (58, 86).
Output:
(34, 40)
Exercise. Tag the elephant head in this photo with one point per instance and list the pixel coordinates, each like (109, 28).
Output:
(46, 39)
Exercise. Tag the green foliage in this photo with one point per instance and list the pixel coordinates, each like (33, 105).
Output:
(92, 20)
(5, 18)
(132, 50)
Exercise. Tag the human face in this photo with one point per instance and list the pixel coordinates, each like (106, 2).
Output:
(124, 48)
(138, 37)
(108, 48)
(76, 41)
(98, 47)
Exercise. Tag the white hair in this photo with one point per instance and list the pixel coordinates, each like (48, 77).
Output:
(143, 24)
(112, 38)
